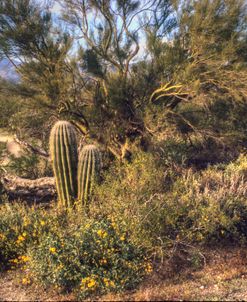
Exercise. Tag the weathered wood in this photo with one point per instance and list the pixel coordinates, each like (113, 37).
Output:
(37, 190)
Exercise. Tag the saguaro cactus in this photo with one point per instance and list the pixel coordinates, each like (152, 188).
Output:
(63, 150)
(88, 171)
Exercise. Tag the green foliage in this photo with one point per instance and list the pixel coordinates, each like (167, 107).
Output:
(188, 206)
(127, 188)
(94, 258)
(207, 207)
(89, 167)
(63, 149)
(8, 107)
(28, 166)
(196, 47)
(87, 256)
(37, 49)
(22, 226)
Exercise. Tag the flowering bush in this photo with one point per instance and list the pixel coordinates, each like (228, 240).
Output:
(21, 227)
(94, 258)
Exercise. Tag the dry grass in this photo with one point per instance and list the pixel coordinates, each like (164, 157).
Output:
(12, 289)
(224, 277)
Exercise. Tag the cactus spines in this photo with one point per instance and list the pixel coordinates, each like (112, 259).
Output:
(63, 150)
(88, 171)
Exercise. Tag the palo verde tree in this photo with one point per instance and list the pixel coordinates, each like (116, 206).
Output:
(203, 91)
(110, 33)
(39, 50)
(142, 69)
(94, 88)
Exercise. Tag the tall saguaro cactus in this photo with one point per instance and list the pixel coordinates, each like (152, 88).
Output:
(63, 150)
(88, 171)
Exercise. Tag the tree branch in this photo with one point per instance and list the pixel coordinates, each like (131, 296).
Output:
(35, 150)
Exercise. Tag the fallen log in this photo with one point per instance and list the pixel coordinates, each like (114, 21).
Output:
(36, 190)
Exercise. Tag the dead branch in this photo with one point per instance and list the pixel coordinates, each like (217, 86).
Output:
(35, 150)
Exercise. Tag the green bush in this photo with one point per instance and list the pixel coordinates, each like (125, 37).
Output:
(70, 251)
(198, 207)
(96, 257)
(126, 190)
(21, 227)
(29, 166)
(203, 207)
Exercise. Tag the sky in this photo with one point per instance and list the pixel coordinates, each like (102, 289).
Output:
(56, 9)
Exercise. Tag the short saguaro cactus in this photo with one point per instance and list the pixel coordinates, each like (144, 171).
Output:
(63, 150)
(88, 171)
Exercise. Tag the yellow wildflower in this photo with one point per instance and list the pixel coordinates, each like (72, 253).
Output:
(26, 221)
(112, 284)
(148, 268)
(2, 236)
(113, 225)
(102, 233)
(42, 222)
(91, 283)
(14, 260)
(20, 239)
(84, 280)
(26, 281)
(103, 261)
(24, 258)
(108, 282)
(122, 238)
(53, 250)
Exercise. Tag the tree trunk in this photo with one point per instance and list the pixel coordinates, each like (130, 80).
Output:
(37, 190)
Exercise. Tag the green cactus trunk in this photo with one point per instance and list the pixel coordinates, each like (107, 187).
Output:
(88, 171)
(63, 150)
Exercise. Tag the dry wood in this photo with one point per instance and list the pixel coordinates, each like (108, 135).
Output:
(37, 190)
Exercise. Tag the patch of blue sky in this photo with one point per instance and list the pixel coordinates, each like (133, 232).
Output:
(94, 20)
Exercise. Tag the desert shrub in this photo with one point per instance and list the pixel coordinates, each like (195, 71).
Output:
(22, 226)
(95, 257)
(203, 207)
(132, 217)
(70, 251)
(24, 166)
(28, 165)
(208, 206)
(126, 188)
(174, 152)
